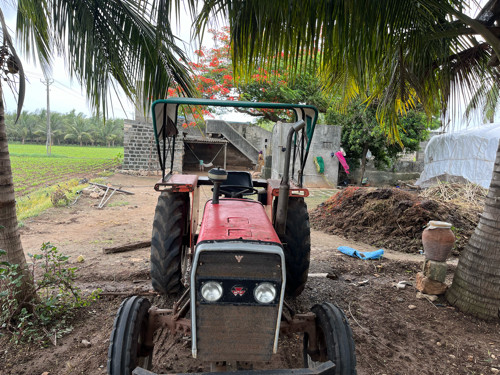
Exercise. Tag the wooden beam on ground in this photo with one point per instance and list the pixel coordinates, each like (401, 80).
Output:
(126, 247)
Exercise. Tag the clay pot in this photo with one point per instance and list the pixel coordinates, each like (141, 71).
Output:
(438, 240)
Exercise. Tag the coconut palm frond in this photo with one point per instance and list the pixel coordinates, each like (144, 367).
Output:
(105, 41)
(33, 31)
(399, 53)
(486, 98)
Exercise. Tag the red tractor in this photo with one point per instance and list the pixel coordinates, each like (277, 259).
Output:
(236, 271)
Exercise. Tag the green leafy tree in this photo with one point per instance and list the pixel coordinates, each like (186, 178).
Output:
(277, 87)
(214, 79)
(361, 132)
(399, 53)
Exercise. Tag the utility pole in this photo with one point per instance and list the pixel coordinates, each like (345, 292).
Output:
(48, 82)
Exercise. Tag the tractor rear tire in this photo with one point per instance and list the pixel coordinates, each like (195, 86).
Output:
(126, 350)
(168, 253)
(333, 339)
(298, 246)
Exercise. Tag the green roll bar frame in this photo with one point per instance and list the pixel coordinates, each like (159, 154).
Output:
(165, 113)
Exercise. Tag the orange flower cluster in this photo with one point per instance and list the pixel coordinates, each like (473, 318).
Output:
(191, 124)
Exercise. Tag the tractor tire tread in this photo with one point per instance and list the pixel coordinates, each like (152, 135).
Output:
(125, 331)
(338, 337)
(169, 226)
(298, 246)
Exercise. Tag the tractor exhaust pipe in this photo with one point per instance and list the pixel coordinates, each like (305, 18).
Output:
(282, 209)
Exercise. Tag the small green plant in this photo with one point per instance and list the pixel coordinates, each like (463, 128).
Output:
(118, 158)
(457, 232)
(42, 313)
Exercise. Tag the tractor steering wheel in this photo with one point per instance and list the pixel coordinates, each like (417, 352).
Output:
(241, 190)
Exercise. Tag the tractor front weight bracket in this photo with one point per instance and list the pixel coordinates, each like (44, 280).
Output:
(163, 318)
(303, 323)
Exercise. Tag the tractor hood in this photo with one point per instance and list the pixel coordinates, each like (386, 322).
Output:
(236, 219)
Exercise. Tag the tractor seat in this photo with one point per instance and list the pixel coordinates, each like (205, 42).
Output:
(237, 185)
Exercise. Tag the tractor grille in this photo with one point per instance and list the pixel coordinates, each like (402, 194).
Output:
(237, 328)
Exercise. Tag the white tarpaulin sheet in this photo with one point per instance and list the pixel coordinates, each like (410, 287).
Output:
(469, 154)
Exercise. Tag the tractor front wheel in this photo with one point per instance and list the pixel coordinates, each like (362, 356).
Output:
(333, 340)
(168, 252)
(126, 348)
(297, 241)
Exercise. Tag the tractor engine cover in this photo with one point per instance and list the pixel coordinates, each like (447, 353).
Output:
(237, 284)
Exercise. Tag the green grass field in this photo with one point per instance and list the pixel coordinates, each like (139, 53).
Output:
(33, 169)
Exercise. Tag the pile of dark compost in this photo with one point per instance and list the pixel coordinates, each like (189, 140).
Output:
(391, 218)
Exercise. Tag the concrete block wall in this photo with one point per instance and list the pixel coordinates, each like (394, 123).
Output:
(140, 153)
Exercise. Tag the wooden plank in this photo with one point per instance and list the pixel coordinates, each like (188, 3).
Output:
(126, 247)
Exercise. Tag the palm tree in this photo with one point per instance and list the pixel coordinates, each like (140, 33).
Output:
(26, 126)
(11, 126)
(40, 131)
(116, 135)
(106, 44)
(57, 127)
(79, 130)
(399, 54)
(107, 133)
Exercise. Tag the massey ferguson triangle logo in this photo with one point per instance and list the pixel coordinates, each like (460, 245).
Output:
(238, 290)
(239, 258)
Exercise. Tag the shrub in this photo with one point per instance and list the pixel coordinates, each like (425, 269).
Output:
(43, 313)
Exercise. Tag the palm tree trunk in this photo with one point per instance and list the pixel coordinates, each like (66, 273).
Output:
(10, 239)
(476, 284)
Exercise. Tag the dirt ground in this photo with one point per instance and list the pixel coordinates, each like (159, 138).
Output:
(394, 332)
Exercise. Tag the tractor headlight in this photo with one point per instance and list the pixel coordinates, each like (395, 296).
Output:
(264, 293)
(211, 291)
